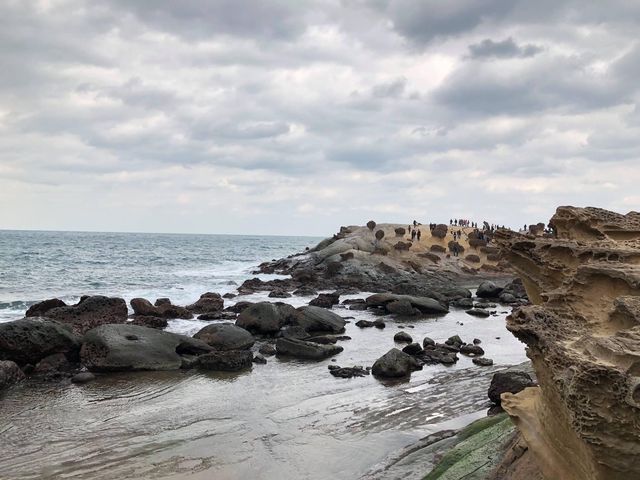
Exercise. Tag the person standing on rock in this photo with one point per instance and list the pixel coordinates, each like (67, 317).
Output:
(413, 235)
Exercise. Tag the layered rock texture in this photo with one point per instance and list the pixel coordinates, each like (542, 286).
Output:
(583, 337)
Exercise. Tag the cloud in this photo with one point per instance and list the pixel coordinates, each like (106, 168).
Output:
(285, 117)
(506, 48)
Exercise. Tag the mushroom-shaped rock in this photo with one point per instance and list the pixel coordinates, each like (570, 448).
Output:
(371, 225)
(29, 340)
(400, 231)
(118, 347)
(317, 319)
(379, 234)
(303, 349)
(225, 336)
(394, 364)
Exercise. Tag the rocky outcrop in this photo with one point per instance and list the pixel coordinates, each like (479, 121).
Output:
(29, 340)
(583, 337)
(225, 336)
(110, 348)
(90, 312)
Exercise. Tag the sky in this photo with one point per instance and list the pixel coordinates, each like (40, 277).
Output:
(296, 117)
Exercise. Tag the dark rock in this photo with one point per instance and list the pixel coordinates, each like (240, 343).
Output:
(39, 309)
(226, 361)
(347, 256)
(394, 364)
(91, 312)
(440, 231)
(402, 337)
(512, 382)
(10, 374)
(471, 350)
(403, 246)
(229, 295)
(482, 361)
(279, 293)
(424, 304)
(379, 234)
(402, 307)
(412, 349)
(323, 339)
(506, 297)
(488, 289)
(209, 302)
(325, 300)
(437, 248)
(259, 359)
(294, 331)
(118, 347)
(83, 377)
(317, 319)
(463, 303)
(52, 363)
(454, 340)
(151, 322)
(267, 349)
(226, 315)
(333, 269)
(354, 301)
(266, 317)
(472, 258)
(239, 307)
(305, 291)
(478, 312)
(29, 340)
(303, 349)
(455, 245)
(477, 341)
(143, 307)
(348, 372)
(162, 301)
(433, 354)
(225, 336)
(371, 225)
(428, 342)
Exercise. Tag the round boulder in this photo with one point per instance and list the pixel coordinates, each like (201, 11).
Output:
(225, 336)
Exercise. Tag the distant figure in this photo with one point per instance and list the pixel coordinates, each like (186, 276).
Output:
(450, 221)
(413, 234)
(415, 224)
(418, 235)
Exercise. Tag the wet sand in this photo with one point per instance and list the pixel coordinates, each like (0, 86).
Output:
(287, 419)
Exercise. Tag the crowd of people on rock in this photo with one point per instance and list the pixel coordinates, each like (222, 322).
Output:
(461, 222)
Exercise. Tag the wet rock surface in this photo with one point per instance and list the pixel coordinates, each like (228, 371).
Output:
(304, 349)
(90, 312)
(225, 336)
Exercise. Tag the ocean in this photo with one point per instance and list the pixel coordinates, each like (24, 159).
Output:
(36, 265)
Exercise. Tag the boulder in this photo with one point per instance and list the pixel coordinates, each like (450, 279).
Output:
(379, 234)
(394, 364)
(471, 350)
(39, 309)
(143, 307)
(347, 256)
(317, 319)
(162, 301)
(453, 245)
(402, 246)
(91, 312)
(225, 336)
(209, 302)
(119, 347)
(10, 374)
(218, 316)
(259, 358)
(348, 372)
(279, 293)
(325, 300)
(437, 248)
(482, 361)
(506, 297)
(267, 349)
(413, 349)
(472, 258)
(266, 317)
(433, 354)
(402, 307)
(424, 304)
(478, 312)
(305, 291)
(303, 349)
(371, 225)
(463, 303)
(294, 331)
(488, 289)
(226, 361)
(440, 231)
(56, 362)
(238, 307)
(151, 322)
(400, 231)
(368, 324)
(512, 382)
(29, 340)
(428, 342)
(402, 337)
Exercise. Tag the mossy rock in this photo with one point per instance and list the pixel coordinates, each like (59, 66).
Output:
(479, 449)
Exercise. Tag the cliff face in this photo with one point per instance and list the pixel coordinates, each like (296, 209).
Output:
(583, 337)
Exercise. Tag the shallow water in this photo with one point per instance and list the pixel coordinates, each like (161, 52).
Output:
(287, 419)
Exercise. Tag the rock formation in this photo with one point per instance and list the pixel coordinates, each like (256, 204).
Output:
(583, 337)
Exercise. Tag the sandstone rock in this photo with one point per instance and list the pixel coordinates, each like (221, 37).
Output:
(472, 258)
(225, 336)
(119, 347)
(29, 340)
(317, 319)
(402, 246)
(39, 309)
(440, 231)
(394, 364)
(430, 256)
(209, 302)
(371, 225)
(583, 347)
(10, 374)
(482, 361)
(266, 317)
(307, 350)
(437, 248)
(400, 231)
(226, 361)
(453, 245)
(379, 234)
(91, 312)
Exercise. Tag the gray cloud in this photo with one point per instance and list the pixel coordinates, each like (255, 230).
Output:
(314, 114)
(506, 48)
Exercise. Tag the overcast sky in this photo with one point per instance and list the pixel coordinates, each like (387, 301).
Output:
(296, 117)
